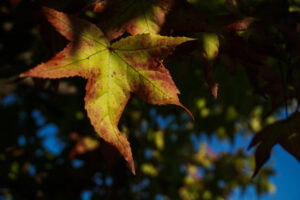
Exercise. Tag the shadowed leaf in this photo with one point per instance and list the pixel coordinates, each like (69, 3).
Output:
(134, 16)
(285, 132)
(210, 48)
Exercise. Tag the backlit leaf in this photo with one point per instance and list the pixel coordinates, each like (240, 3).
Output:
(130, 65)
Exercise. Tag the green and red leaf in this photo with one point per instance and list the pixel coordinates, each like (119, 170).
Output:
(134, 16)
(130, 65)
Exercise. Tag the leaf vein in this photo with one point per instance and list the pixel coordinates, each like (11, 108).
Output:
(77, 61)
(145, 78)
(75, 30)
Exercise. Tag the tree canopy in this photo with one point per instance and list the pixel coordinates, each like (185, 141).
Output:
(233, 66)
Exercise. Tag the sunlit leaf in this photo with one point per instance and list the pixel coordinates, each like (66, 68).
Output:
(130, 65)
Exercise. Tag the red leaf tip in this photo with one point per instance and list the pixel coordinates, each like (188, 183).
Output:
(131, 166)
(188, 111)
(22, 75)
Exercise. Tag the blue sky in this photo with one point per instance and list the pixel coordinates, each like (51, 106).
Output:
(287, 179)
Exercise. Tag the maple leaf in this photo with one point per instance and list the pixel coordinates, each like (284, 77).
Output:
(285, 132)
(240, 25)
(134, 16)
(210, 46)
(130, 65)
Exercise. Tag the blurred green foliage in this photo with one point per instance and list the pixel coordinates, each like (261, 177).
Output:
(254, 62)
